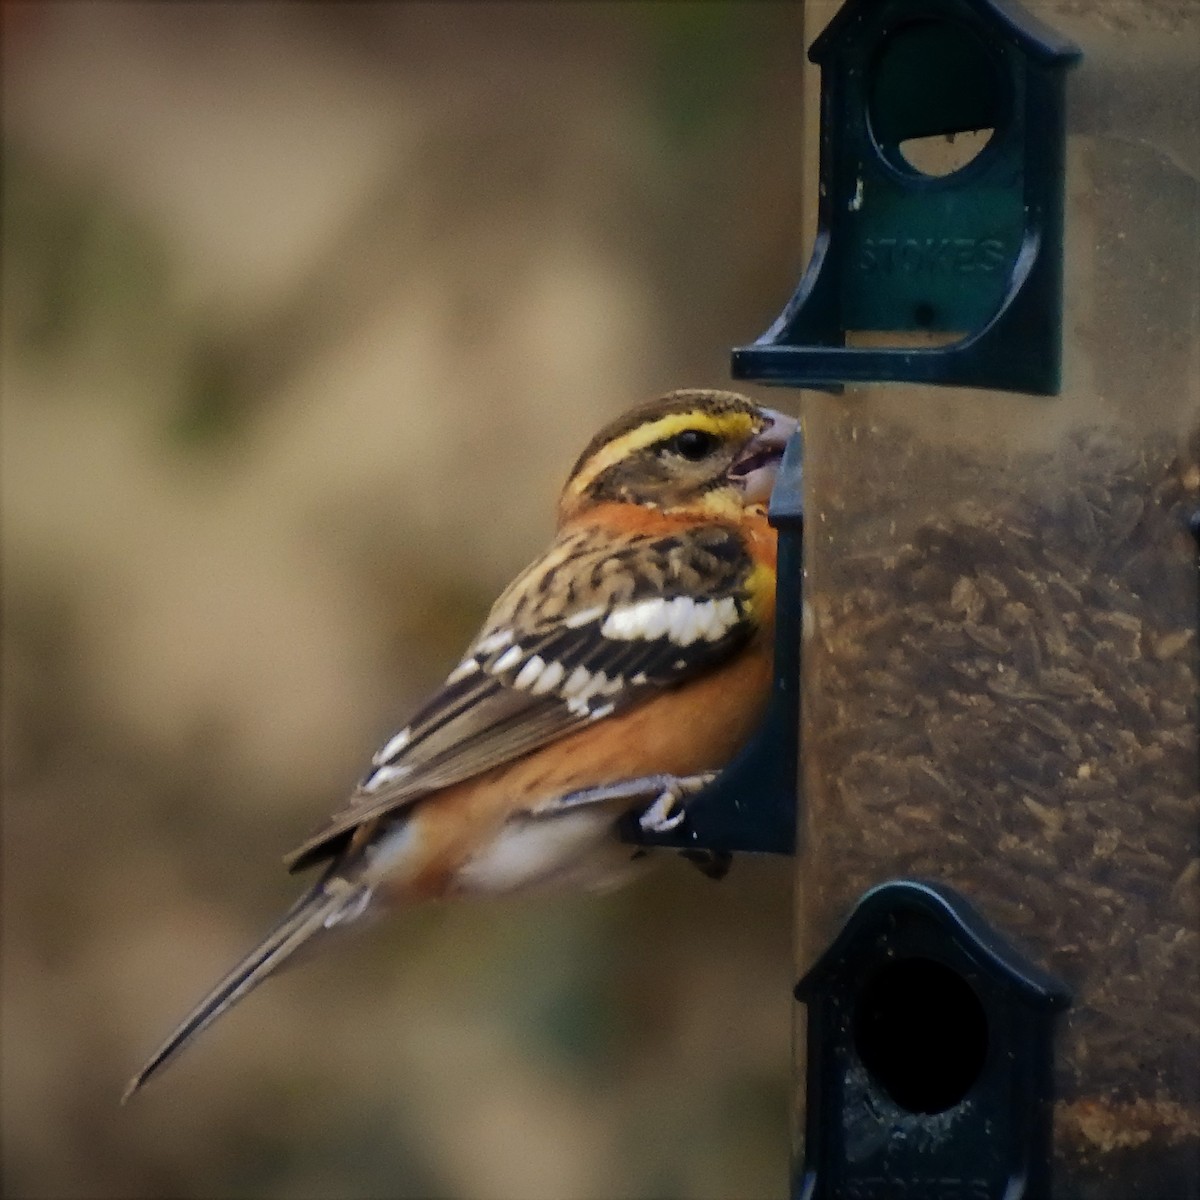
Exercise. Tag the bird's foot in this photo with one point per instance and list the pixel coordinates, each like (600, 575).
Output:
(667, 812)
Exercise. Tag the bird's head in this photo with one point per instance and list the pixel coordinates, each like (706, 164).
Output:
(702, 452)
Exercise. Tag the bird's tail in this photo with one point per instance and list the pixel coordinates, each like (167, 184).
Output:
(333, 901)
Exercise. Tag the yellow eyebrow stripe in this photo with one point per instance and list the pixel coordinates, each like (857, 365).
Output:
(727, 424)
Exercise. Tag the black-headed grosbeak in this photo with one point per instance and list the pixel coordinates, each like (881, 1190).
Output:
(618, 672)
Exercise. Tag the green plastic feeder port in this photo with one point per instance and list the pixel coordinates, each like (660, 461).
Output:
(975, 253)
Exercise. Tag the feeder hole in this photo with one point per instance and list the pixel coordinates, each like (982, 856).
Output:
(937, 95)
(943, 154)
(921, 1032)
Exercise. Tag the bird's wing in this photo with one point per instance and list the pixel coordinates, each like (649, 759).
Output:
(589, 629)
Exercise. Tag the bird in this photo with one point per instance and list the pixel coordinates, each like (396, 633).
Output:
(616, 674)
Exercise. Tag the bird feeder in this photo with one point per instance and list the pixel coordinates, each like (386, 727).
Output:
(997, 342)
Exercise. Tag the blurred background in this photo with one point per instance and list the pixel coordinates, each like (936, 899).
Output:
(306, 312)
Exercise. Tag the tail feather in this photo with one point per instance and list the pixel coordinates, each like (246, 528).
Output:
(321, 908)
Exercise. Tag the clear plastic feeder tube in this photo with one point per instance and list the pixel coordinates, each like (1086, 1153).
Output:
(1001, 667)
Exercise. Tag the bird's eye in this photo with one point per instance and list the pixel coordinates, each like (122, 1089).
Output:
(693, 444)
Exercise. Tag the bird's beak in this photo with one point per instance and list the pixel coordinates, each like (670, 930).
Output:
(755, 469)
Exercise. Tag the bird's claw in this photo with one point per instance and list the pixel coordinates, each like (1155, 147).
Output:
(667, 812)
